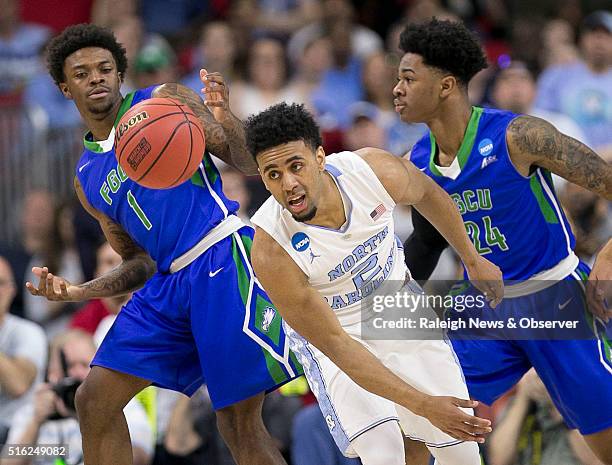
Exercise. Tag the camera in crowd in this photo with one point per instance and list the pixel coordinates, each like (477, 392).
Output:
(66, 389)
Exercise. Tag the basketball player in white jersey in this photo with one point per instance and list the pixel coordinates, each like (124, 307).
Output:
(322, 239)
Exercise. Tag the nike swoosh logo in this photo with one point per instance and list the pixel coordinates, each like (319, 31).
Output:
(212, 274)
(563, 305)
(83, 167)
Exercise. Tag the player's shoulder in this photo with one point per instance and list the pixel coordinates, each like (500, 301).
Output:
(420, 153)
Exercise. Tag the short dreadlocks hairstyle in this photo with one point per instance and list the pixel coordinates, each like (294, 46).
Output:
(446, 45)
(80, 36)
(280, 124)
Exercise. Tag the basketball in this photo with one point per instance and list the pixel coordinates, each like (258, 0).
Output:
(159, 143)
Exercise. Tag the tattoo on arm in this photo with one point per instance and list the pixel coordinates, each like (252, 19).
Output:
(227, 141)
(539, 142)
(215, 136)
(137, 266)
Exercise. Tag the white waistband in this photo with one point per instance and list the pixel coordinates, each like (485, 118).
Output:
(228, 226)
(544, 279)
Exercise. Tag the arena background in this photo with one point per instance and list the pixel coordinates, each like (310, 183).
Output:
(337, 57)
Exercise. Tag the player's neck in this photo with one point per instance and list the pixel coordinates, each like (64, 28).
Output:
(448, 128)
(101, 125)
(330, 211)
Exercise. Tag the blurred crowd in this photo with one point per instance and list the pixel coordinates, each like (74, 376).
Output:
(548, 58)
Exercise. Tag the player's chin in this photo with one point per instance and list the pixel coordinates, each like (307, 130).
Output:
(306, 215)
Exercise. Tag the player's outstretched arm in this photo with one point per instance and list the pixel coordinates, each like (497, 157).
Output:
(136, 268)
(306, 311)
(409, 186)
(227, 140)
(533, 141)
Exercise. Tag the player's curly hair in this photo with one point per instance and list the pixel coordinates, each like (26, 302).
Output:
(79, 36)
(446, 45)
(280, 124)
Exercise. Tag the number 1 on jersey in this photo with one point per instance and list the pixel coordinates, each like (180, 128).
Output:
(141, 215)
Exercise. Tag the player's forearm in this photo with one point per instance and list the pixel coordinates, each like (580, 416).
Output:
(130, 276)
(14, 380)
(236, 141)
(442, 213)
(369, 372)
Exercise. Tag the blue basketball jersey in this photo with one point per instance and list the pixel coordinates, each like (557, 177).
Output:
(514, 221)
(166, 223)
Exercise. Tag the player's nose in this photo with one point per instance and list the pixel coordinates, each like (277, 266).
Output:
(289, 182)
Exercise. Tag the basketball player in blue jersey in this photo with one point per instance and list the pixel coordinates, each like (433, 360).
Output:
(496, 165)
(199, 314)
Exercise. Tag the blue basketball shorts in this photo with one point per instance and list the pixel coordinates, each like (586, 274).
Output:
(577, 373)
(210, 322)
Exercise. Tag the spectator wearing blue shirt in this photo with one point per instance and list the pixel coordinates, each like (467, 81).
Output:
(583, 90)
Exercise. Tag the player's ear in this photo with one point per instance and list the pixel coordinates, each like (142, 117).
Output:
(447, 85)
(65, 91)
(320, 157)
(121, 78)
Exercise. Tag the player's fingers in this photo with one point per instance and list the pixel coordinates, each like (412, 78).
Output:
(37, 270)
(31, 288)
(42, 284)
(464, 403)
(63, 289)
(215, 103)
(50, 287)
(215, 78)
(474, 429)
(458, 433)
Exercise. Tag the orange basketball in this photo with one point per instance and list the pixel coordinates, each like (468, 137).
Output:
(159, 143)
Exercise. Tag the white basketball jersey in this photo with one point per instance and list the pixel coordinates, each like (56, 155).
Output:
(345, 265)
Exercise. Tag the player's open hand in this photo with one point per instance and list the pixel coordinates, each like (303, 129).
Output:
(444, 412)
(599, 285)
(53, 287)
(488, 279)
(216, 94)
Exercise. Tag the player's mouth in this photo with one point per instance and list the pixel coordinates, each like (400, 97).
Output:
(296, 203)
(399, 106)
(98, 93)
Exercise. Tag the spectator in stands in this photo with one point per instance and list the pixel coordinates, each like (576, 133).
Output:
(23, 354)
(49, 419)
(89, 317)
(312, 443)
(216, 52)
(531, 431)
(155, 63)
(379, 75)
(514, 89)
(591, 219)
(366, 129)
(49, 237)
(20, 46)
(129, 31)
(235, 188)
(279, 17)
(558, 46)
(108, 12)
(310, 64)
(267, 79)
(583, 90)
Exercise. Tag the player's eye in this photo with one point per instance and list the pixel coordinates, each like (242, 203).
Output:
(273, 175)
(297, 166)
(80, 75)
(107, 70)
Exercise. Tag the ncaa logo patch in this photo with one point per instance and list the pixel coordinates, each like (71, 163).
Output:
(300, 242)
(485, 147)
